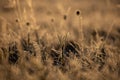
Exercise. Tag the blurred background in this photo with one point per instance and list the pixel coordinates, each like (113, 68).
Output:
(44, 10)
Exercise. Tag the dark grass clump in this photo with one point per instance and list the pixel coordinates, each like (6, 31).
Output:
(28, 46)
(100, 57)
(56, 57)
(69, 47)
(93, 33)
(61, 55)
(102, 33)
(118, 30)
(13, 58)
(13, 53)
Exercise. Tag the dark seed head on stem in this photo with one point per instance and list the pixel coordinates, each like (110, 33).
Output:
(65, 17)
(52, 20)
(78, 12)
(16, 20)
(27, 23)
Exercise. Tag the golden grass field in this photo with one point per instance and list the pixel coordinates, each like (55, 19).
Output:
(59, 40)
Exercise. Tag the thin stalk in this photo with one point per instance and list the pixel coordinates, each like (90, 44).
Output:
(109, 31)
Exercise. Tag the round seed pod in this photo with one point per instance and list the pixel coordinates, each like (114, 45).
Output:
(78, 12)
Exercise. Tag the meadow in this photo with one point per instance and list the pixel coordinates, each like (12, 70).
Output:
(59, 40)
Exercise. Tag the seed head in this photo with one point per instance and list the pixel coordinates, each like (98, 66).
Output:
(65, 17)
(27, 23)
(16, 20)
(78, 12)
(52, 20)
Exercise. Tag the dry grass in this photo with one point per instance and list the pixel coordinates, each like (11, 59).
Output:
(68, 47)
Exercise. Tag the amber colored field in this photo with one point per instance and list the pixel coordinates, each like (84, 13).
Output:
(59, 40)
